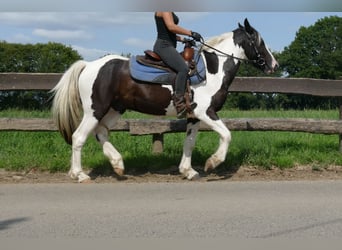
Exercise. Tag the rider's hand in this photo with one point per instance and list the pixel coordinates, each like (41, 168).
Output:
(180, 39)
(196, 36)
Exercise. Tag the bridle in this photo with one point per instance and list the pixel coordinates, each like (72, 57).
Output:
(260, 61)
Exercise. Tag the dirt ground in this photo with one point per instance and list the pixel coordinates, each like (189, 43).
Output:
(243, 173)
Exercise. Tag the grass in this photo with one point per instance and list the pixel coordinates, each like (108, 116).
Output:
(48, 151)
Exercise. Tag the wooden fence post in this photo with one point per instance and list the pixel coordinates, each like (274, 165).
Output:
(340, 116)
(157, 143)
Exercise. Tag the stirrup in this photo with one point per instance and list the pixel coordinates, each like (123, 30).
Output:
(182, 114)
(187, 111)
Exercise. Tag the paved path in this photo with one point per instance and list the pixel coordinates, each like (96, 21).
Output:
(164, 210)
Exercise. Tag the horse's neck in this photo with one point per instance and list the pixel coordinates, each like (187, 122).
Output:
(229, 47)
(229, 66)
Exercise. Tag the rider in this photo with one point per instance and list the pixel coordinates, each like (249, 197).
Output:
(165, 47)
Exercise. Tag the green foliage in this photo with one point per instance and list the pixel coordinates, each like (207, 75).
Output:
(246, 101)
(36, 58)
(48, 151)
(248, 70)
(316, 51)
(28, 100)
(33, 58)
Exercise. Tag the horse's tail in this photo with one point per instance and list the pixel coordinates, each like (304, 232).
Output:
(67, 106)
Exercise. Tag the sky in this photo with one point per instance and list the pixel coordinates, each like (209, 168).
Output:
(95, 30)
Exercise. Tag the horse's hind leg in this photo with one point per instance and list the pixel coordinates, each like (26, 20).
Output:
(102, 133)
(185, 167)
(79, 138)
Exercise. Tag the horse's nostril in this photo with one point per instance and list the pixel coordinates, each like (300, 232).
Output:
(276, 66)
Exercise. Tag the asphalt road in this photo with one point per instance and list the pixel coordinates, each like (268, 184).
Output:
(167, 210)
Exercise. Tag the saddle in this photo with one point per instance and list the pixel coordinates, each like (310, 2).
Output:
(149, 68)
(152, 59)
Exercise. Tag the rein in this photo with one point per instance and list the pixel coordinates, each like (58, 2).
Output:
(260, 61)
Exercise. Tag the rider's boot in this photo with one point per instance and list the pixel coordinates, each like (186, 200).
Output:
(181, 106)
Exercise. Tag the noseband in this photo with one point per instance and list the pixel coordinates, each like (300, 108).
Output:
(260, 60)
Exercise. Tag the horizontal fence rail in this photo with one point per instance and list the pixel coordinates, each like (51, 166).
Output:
(308, 86)
(28, 81)
(158, 127)
(162, 126)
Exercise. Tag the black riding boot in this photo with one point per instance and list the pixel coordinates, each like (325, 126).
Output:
(180, 105)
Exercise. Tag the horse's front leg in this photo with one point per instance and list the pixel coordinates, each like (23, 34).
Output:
(225, 137)
(185, 167)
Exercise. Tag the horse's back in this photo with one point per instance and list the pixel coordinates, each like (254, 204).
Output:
(93, 68)
(97, 64)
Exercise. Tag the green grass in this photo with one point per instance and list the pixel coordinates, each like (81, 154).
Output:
(48, 151)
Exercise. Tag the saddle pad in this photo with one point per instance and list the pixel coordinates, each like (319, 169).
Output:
(159, 76)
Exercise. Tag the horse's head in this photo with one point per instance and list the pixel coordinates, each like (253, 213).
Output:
(255, 48)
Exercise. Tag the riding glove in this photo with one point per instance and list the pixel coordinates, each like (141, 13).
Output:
(196, 36)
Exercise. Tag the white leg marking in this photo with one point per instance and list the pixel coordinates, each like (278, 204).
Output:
(185, 167)
(225, 137)
(79, 137)
(109, 150)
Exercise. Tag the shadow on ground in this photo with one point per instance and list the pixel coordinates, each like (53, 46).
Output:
(161, 166)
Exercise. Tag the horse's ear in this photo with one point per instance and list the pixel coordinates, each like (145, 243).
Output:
(249, 28)
(240, 26)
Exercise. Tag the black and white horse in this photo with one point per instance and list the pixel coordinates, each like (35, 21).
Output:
(91, 96)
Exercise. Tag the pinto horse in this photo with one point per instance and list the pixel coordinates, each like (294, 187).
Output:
(91, 96)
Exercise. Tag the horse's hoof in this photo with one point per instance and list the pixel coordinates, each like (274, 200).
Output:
(211, 164)
(195, 177)
(86, 181)
(192, 175)
(83, 178)
(208, 168)
(119, 171)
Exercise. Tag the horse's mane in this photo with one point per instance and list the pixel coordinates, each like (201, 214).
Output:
(214, 41)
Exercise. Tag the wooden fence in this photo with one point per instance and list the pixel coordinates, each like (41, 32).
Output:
(158, 127)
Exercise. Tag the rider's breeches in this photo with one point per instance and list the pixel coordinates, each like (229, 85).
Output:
(174, 60)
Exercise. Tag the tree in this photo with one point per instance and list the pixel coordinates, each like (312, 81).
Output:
(42, 58)
(33, 58)
(316, 51)
(246, 101)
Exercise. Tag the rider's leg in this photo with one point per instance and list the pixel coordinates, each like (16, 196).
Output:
(174, 60)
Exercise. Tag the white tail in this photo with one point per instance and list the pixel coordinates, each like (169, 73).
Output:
(67, 106)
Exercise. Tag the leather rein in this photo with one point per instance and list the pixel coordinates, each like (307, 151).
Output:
(260, 61)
